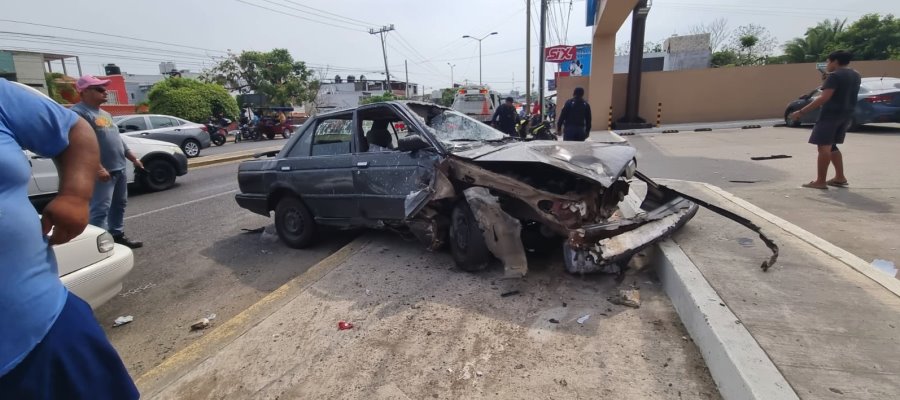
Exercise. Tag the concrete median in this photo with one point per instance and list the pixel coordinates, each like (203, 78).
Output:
(228, 157)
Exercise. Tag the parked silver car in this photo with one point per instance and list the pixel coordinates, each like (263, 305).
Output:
(191, 137)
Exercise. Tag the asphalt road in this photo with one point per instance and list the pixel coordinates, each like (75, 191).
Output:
(196, 261)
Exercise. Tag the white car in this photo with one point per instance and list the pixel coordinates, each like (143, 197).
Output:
(163, 162)
(92, 266)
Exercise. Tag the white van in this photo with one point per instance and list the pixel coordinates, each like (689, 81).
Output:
(476, 102)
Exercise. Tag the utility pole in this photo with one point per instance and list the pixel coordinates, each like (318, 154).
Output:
(406, 67)
(451, 74)
(527, 56)
(543, 40)
(381, 31)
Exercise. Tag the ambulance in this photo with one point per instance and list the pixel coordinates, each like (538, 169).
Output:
(478, 102)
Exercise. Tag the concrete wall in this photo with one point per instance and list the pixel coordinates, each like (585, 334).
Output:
(717, 94)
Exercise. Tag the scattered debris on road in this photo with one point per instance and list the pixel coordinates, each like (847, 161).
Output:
(122, 321)
(583, 319)
(628, 298)
(740, 181)
(343, 325)
(203, 323)
(554, 321)
(885, 266)
(510, 293)
(772, 157)
(255, 230)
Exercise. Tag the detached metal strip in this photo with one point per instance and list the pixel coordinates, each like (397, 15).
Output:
(723, 212)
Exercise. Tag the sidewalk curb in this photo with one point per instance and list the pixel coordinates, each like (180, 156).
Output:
(738, 365)
(888, 282)
(159, 377)
(228, 157)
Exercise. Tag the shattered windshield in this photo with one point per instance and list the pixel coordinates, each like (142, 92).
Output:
(454, 127)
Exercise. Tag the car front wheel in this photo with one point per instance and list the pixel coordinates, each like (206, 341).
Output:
(467, 240)
(286, 134)
(294, 223)
(191, 148)
(158, 175)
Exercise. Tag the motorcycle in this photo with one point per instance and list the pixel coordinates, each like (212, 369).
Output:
(246, 132)
(537, 129)
(217, 131)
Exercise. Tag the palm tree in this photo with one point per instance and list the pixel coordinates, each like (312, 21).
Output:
(815, 43)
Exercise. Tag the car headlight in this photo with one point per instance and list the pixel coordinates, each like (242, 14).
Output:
(630, 169)
(105, 242)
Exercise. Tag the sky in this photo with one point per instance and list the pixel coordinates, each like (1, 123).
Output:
(333, 37)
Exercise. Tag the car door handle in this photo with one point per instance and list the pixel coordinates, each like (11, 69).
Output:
(145, 133)
(362, 164)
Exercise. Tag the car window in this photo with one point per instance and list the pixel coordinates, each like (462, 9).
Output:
(162, 122)
(332, 136)
(133, 124)
(382, 126)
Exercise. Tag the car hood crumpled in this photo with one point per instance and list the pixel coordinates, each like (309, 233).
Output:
(602, 162)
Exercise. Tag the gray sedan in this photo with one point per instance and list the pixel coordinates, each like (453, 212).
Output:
(191, 137)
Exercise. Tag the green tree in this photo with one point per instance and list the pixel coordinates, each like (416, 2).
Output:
(57, 89)
(275, 74)
(724, 58)
(872, 37)
(814, 44)
(192, 100)
(386, 96)
(751, 43)
(447, 96)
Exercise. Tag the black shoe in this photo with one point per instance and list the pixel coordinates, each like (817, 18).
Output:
(125, 241)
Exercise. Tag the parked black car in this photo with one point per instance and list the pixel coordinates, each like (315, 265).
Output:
(878, 101)
(448, 178)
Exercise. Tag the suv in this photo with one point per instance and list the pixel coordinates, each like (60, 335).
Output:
(476, 102)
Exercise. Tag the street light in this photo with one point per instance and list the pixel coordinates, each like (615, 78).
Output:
(479, 51)
(451, 74)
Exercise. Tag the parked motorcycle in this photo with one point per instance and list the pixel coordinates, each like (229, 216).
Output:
(534, 129)
(217, 130)
(246, 132)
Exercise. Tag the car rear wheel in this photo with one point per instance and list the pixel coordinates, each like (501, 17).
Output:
(790, 121)
(294, 223)
(467, 240)
(158, 175)
(191, 148)
(286, 133)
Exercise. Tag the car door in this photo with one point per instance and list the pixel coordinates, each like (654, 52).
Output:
(391, 183)
(164, 128)
(133, 126)
(45, 178)
(319, 167)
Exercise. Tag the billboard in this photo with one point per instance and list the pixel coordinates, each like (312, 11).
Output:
(561, 53)
(581, 65)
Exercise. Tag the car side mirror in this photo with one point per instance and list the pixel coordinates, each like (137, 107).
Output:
(121, 130)
(412, 143)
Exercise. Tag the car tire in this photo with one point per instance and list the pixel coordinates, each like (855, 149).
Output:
(467, 243)
(270, 136)
(191, 148)
(158, 175)
(286, 133)
(294, 223)
(790, 122)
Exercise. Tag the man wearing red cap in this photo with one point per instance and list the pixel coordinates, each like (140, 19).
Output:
(111, 190)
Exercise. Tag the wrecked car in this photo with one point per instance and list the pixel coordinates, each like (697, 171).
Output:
(448, 179)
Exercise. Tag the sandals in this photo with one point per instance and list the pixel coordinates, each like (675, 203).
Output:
(832, 182)
(812, 185)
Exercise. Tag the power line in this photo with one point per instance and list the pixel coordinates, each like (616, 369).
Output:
(109, 35)
(364, 23)
(315, 14)
(48, 39)
(298, 17)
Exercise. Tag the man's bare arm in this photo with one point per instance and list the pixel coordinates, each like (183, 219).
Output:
(78, 164)
(825, 96)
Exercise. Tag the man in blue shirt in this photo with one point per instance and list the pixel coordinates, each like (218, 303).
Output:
(50, 344)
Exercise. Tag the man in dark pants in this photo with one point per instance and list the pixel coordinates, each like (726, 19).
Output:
(575, 118)
(505, 117)
(838, 101)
